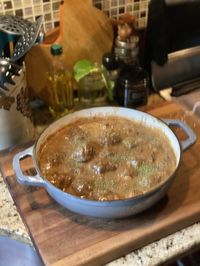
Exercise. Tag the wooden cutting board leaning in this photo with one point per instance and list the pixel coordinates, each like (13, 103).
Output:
(85, 33)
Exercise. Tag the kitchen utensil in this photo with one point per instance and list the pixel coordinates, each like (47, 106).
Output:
(6, 45)
(14, 25)
(28, 33)
(108, 209)
(85, 33)
(17, 37)
(7, 70)
(5, 75)
(27, 40)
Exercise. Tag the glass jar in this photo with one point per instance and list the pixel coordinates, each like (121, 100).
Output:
(92, 88)
(127, 51)
(131, 89)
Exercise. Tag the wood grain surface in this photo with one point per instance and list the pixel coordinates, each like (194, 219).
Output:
(85, 33)
(65, 238)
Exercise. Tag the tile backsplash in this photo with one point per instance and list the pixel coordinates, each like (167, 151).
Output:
(31, 9)
(115, 8)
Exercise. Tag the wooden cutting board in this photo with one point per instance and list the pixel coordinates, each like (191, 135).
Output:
(64, 238)
(85, 33)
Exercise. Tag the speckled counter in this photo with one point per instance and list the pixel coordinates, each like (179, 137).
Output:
(153, 254)
(10, 220)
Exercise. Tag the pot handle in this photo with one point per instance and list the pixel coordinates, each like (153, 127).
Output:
(185, 144)
(21, 178)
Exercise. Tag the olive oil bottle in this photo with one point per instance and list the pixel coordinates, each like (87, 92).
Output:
(60, 84)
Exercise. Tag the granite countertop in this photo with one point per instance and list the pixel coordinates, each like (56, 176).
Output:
(156, 253)
(10, 220)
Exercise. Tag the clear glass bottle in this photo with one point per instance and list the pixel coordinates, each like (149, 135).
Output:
(60, 84)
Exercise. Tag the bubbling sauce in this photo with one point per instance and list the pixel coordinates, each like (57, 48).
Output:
(106, 158)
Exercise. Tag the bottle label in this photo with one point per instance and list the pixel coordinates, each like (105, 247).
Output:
(135, 95)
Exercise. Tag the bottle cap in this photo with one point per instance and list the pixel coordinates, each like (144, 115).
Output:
(110, 61)
(56, 49)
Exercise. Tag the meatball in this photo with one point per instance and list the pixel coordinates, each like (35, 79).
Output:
(83, 153)
(103, 166)
(76, 134)
(61, 180)
(131, 142)
(110, 137)
(82, 187)
(53, 161)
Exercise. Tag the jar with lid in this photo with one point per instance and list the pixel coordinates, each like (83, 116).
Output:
(128, 50)
(93, 83)
(131, 88)
(60, 84)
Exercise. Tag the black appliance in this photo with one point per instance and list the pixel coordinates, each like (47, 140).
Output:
(172, 46)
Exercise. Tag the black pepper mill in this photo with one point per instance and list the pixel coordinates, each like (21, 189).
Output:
(131, 88)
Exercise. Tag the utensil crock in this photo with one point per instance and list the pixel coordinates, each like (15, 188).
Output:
(16, 126)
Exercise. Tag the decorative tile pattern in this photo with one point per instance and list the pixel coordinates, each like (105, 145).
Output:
(31, 9)
(115, 8)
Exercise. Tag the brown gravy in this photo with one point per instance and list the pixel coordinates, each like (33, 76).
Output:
(106, 158)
